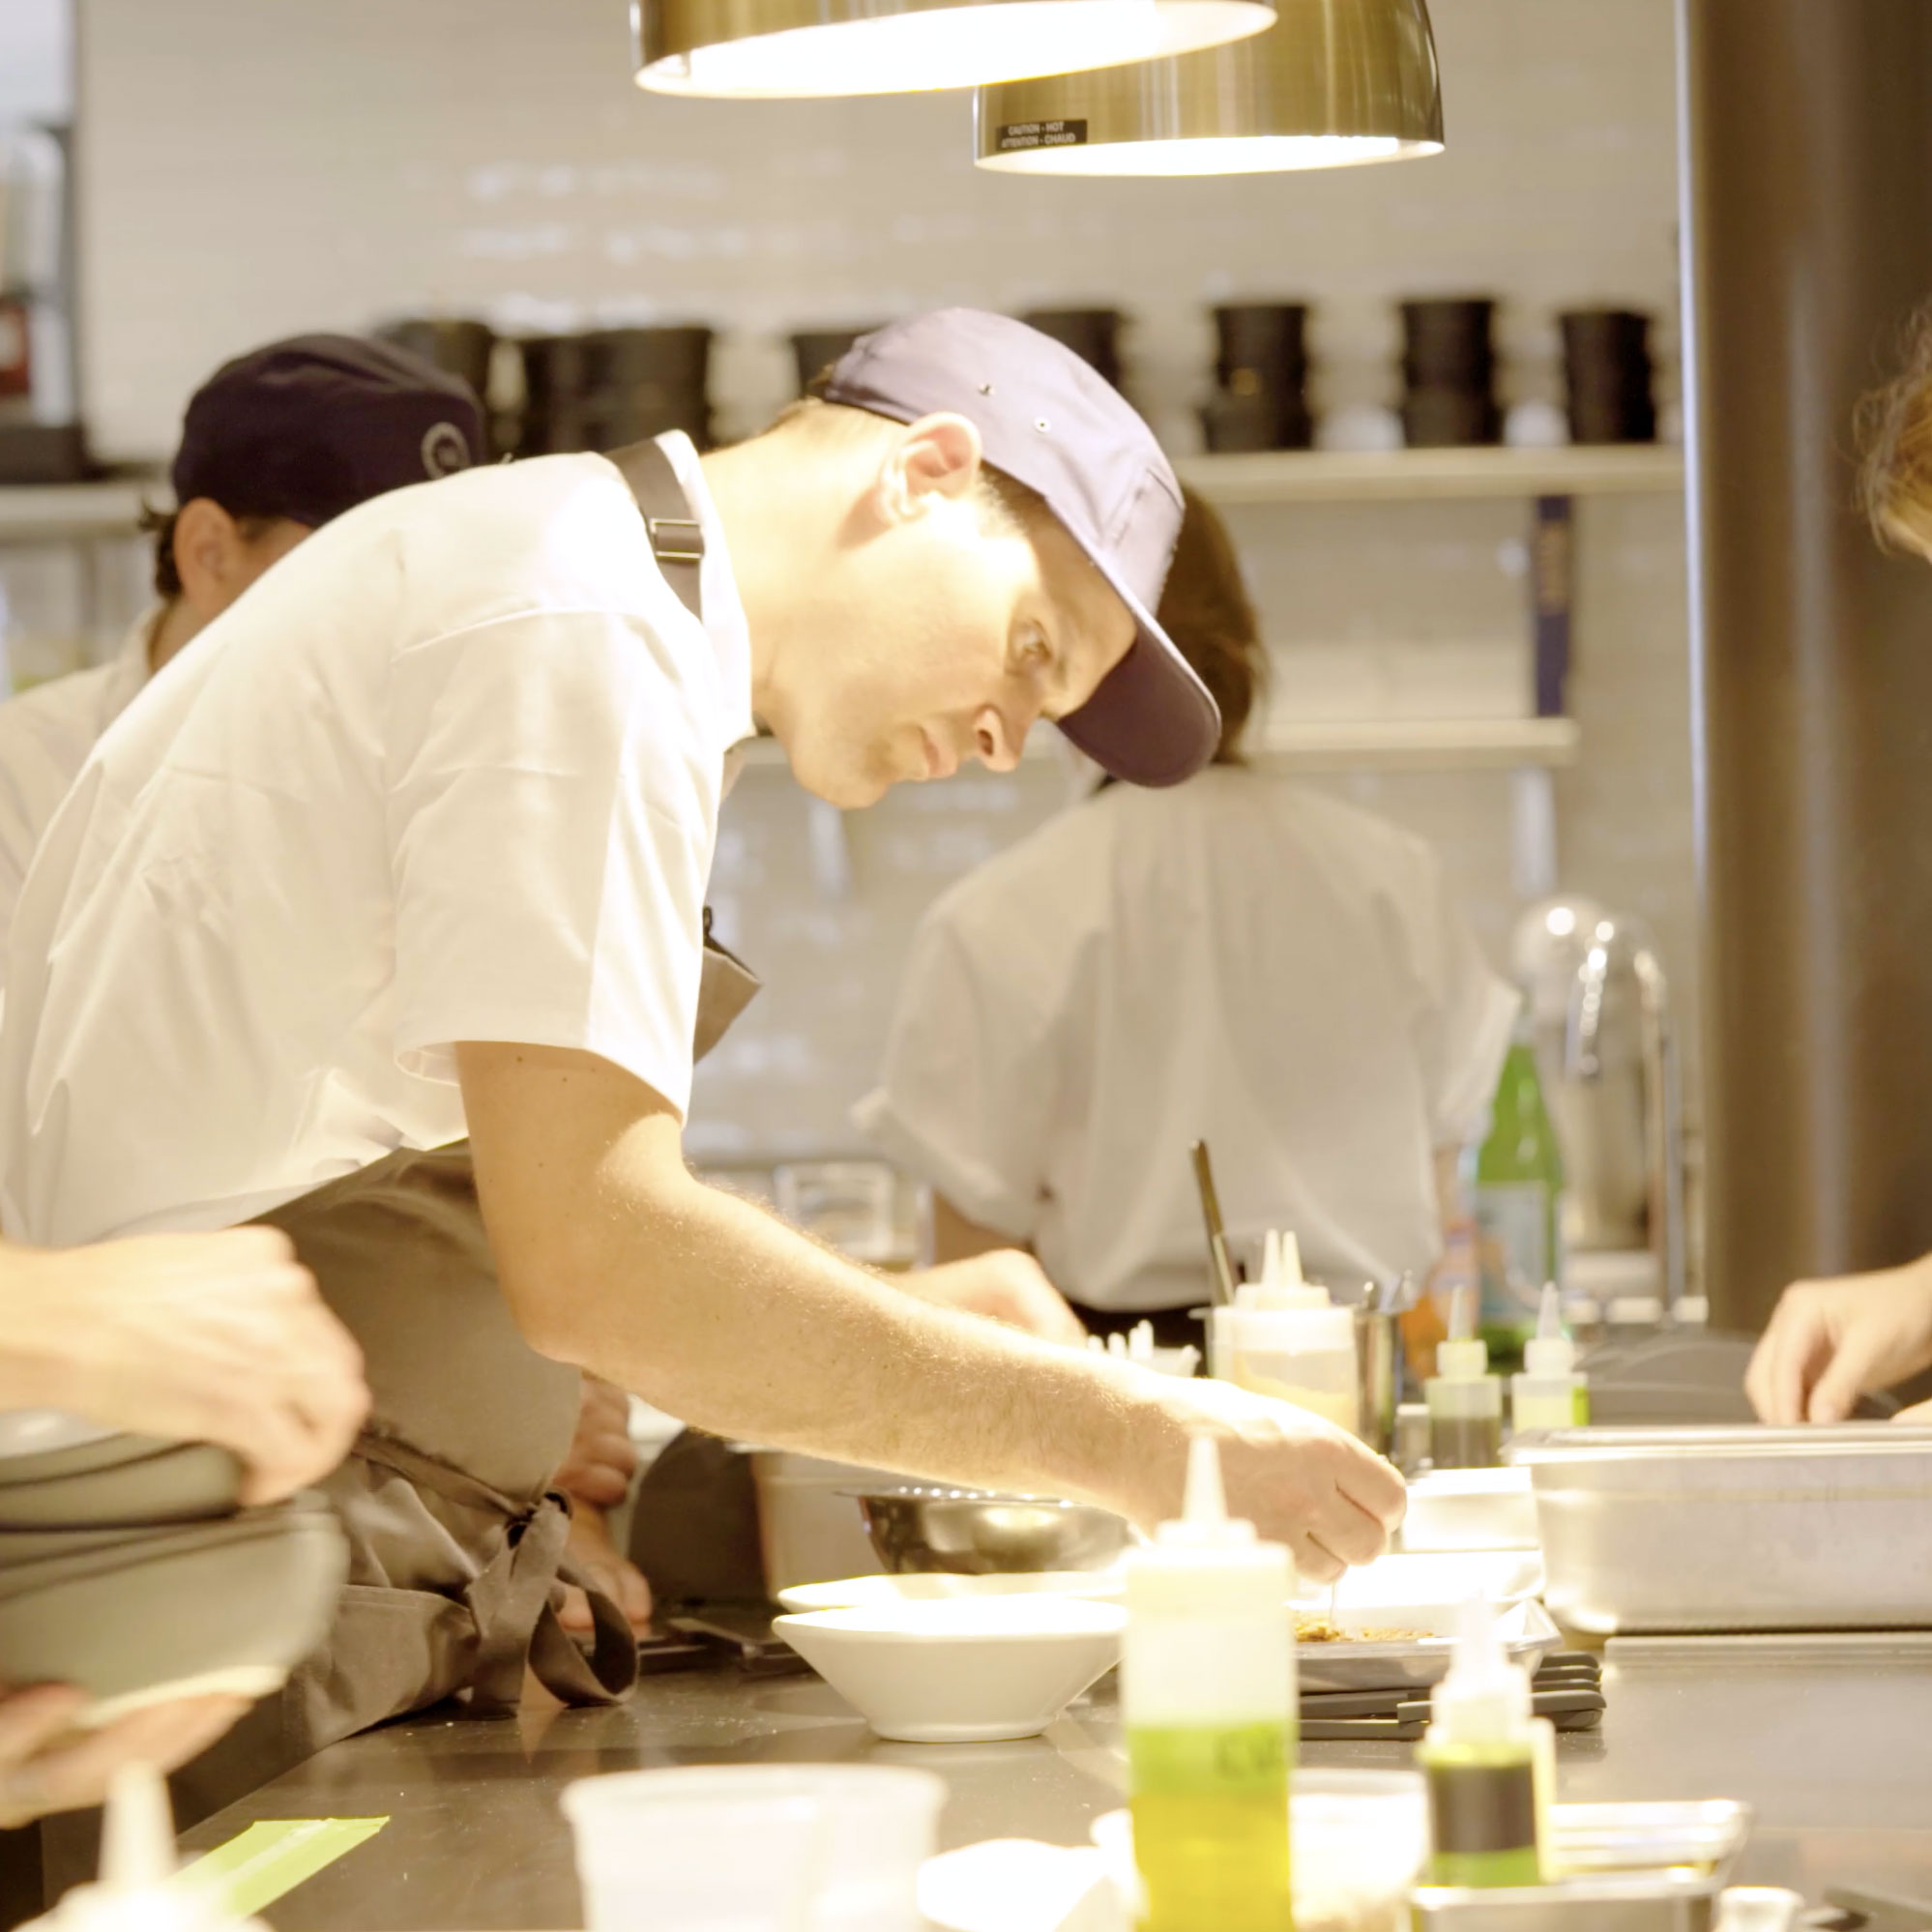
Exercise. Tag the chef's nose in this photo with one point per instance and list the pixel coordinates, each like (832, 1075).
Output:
(997, 740)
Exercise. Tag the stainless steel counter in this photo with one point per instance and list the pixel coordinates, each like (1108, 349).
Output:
(1829, 1740)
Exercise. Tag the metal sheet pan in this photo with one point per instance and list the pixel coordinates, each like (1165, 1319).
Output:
(1735, 1529)
(1528, 1635)
(1626, 1869)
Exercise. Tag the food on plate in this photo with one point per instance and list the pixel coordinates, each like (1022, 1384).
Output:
(1325, 1630)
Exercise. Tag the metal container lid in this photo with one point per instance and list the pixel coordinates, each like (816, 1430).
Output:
(1728, 1443)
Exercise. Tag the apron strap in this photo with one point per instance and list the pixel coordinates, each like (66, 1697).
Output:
(511, 1598)
(677, 539)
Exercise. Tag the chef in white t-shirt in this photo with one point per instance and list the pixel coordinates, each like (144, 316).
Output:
(274, 444)
(414, 843)
(1240, 959)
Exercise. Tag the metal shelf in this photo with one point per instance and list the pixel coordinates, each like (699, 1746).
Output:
(55, 512)
(1409, 475)
(1389, 745)
(1420, 744)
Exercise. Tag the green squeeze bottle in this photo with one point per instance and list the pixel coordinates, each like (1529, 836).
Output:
(1486, 1762)
(1208, 1695)
(1515, 1197)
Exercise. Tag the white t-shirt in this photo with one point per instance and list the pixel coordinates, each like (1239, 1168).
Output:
(1239, 959)
(450, 771)
(45, 735)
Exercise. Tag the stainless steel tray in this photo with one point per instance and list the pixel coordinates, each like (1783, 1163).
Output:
(1626, 1868)
(1735, 1528)
(1528, 1635)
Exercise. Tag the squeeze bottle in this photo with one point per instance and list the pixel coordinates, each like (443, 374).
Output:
(1485, 1761)
(138, 1889)
(1465, 1400)
(1289, 1342)
(1207, 1696)
(1550, 1393)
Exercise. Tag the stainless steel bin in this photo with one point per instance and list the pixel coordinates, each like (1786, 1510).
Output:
(1735, 1527)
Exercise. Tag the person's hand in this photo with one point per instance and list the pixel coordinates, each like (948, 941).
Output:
(46, 1766)
(1831, 1343)
(598, 1560)
(198, 1337)
(602, 1458)
(1007, 1284)
(1298, 1478)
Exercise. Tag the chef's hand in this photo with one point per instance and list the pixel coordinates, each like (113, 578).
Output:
(602, 1458)
(201, 1338)
(1831, 1343)
(45, 1766)
(1006, 1283)
(1297, 1477)
(592, 1554)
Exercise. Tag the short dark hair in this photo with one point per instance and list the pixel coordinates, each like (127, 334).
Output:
(160, 525)
(1894, 426)
(1205, 610)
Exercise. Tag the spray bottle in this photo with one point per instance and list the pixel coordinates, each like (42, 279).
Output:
(1486, 1761)
(1550, 1393)
(1465, 1400)
(1289, 1342)
(138, 1889)
(1207, 1696)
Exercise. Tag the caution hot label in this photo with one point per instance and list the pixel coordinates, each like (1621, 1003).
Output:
(1016, 136)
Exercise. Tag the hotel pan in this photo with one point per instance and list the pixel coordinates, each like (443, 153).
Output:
(1735, 1527)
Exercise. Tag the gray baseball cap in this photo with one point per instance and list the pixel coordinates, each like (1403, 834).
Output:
(1051, 422)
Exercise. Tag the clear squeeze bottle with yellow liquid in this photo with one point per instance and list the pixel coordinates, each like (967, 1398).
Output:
(1208, 1695)
(1551, 1392)
(1290, 1342)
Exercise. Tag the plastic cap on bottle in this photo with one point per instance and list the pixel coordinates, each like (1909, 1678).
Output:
(1636, 1311)
(1485, 1698)
(1552, 1352)
(1693, 1311)
(1204, 1522)
(1464, 1357)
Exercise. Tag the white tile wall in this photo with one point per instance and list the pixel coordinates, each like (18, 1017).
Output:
(300, 163)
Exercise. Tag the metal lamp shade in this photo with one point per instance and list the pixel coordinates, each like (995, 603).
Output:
(779, 49)
(1333, 84)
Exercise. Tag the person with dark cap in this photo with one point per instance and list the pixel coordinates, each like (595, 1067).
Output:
(414, 843)
(275, 444)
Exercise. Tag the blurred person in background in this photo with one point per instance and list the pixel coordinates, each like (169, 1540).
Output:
(1240, 959)
(209, 1338)
(1829, 1342)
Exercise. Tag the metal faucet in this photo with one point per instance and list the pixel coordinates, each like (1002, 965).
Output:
(1620, 953)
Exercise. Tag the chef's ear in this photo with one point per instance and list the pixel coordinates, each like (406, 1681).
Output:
(210, 556)
(938, 456)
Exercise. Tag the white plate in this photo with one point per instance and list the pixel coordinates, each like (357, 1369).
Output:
(1384, 1591)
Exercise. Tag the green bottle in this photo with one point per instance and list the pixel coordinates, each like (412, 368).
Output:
(1515, 1195)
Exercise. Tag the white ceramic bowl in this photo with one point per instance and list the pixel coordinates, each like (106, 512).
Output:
(962, 1670)
(872, 1593)
(1471, 1510)
(1426, 1591)
(1358, 1837)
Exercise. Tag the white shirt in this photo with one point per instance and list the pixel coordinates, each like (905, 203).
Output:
(449, 772)
(1239, 959)
(45, 735)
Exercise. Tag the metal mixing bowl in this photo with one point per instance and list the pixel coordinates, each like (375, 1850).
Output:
(971, 1534)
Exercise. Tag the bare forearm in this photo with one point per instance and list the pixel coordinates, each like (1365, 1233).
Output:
(707, 1306)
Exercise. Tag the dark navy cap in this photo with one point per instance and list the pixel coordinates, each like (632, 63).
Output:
(310, 428)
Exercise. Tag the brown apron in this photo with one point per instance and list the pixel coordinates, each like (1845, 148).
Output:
(456, 1541)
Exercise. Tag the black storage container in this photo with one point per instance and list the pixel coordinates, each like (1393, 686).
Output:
(1092, 334)
(1448, 374)
(1607, 370)
(609, 387)
(1261, 374)
(815, 350)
